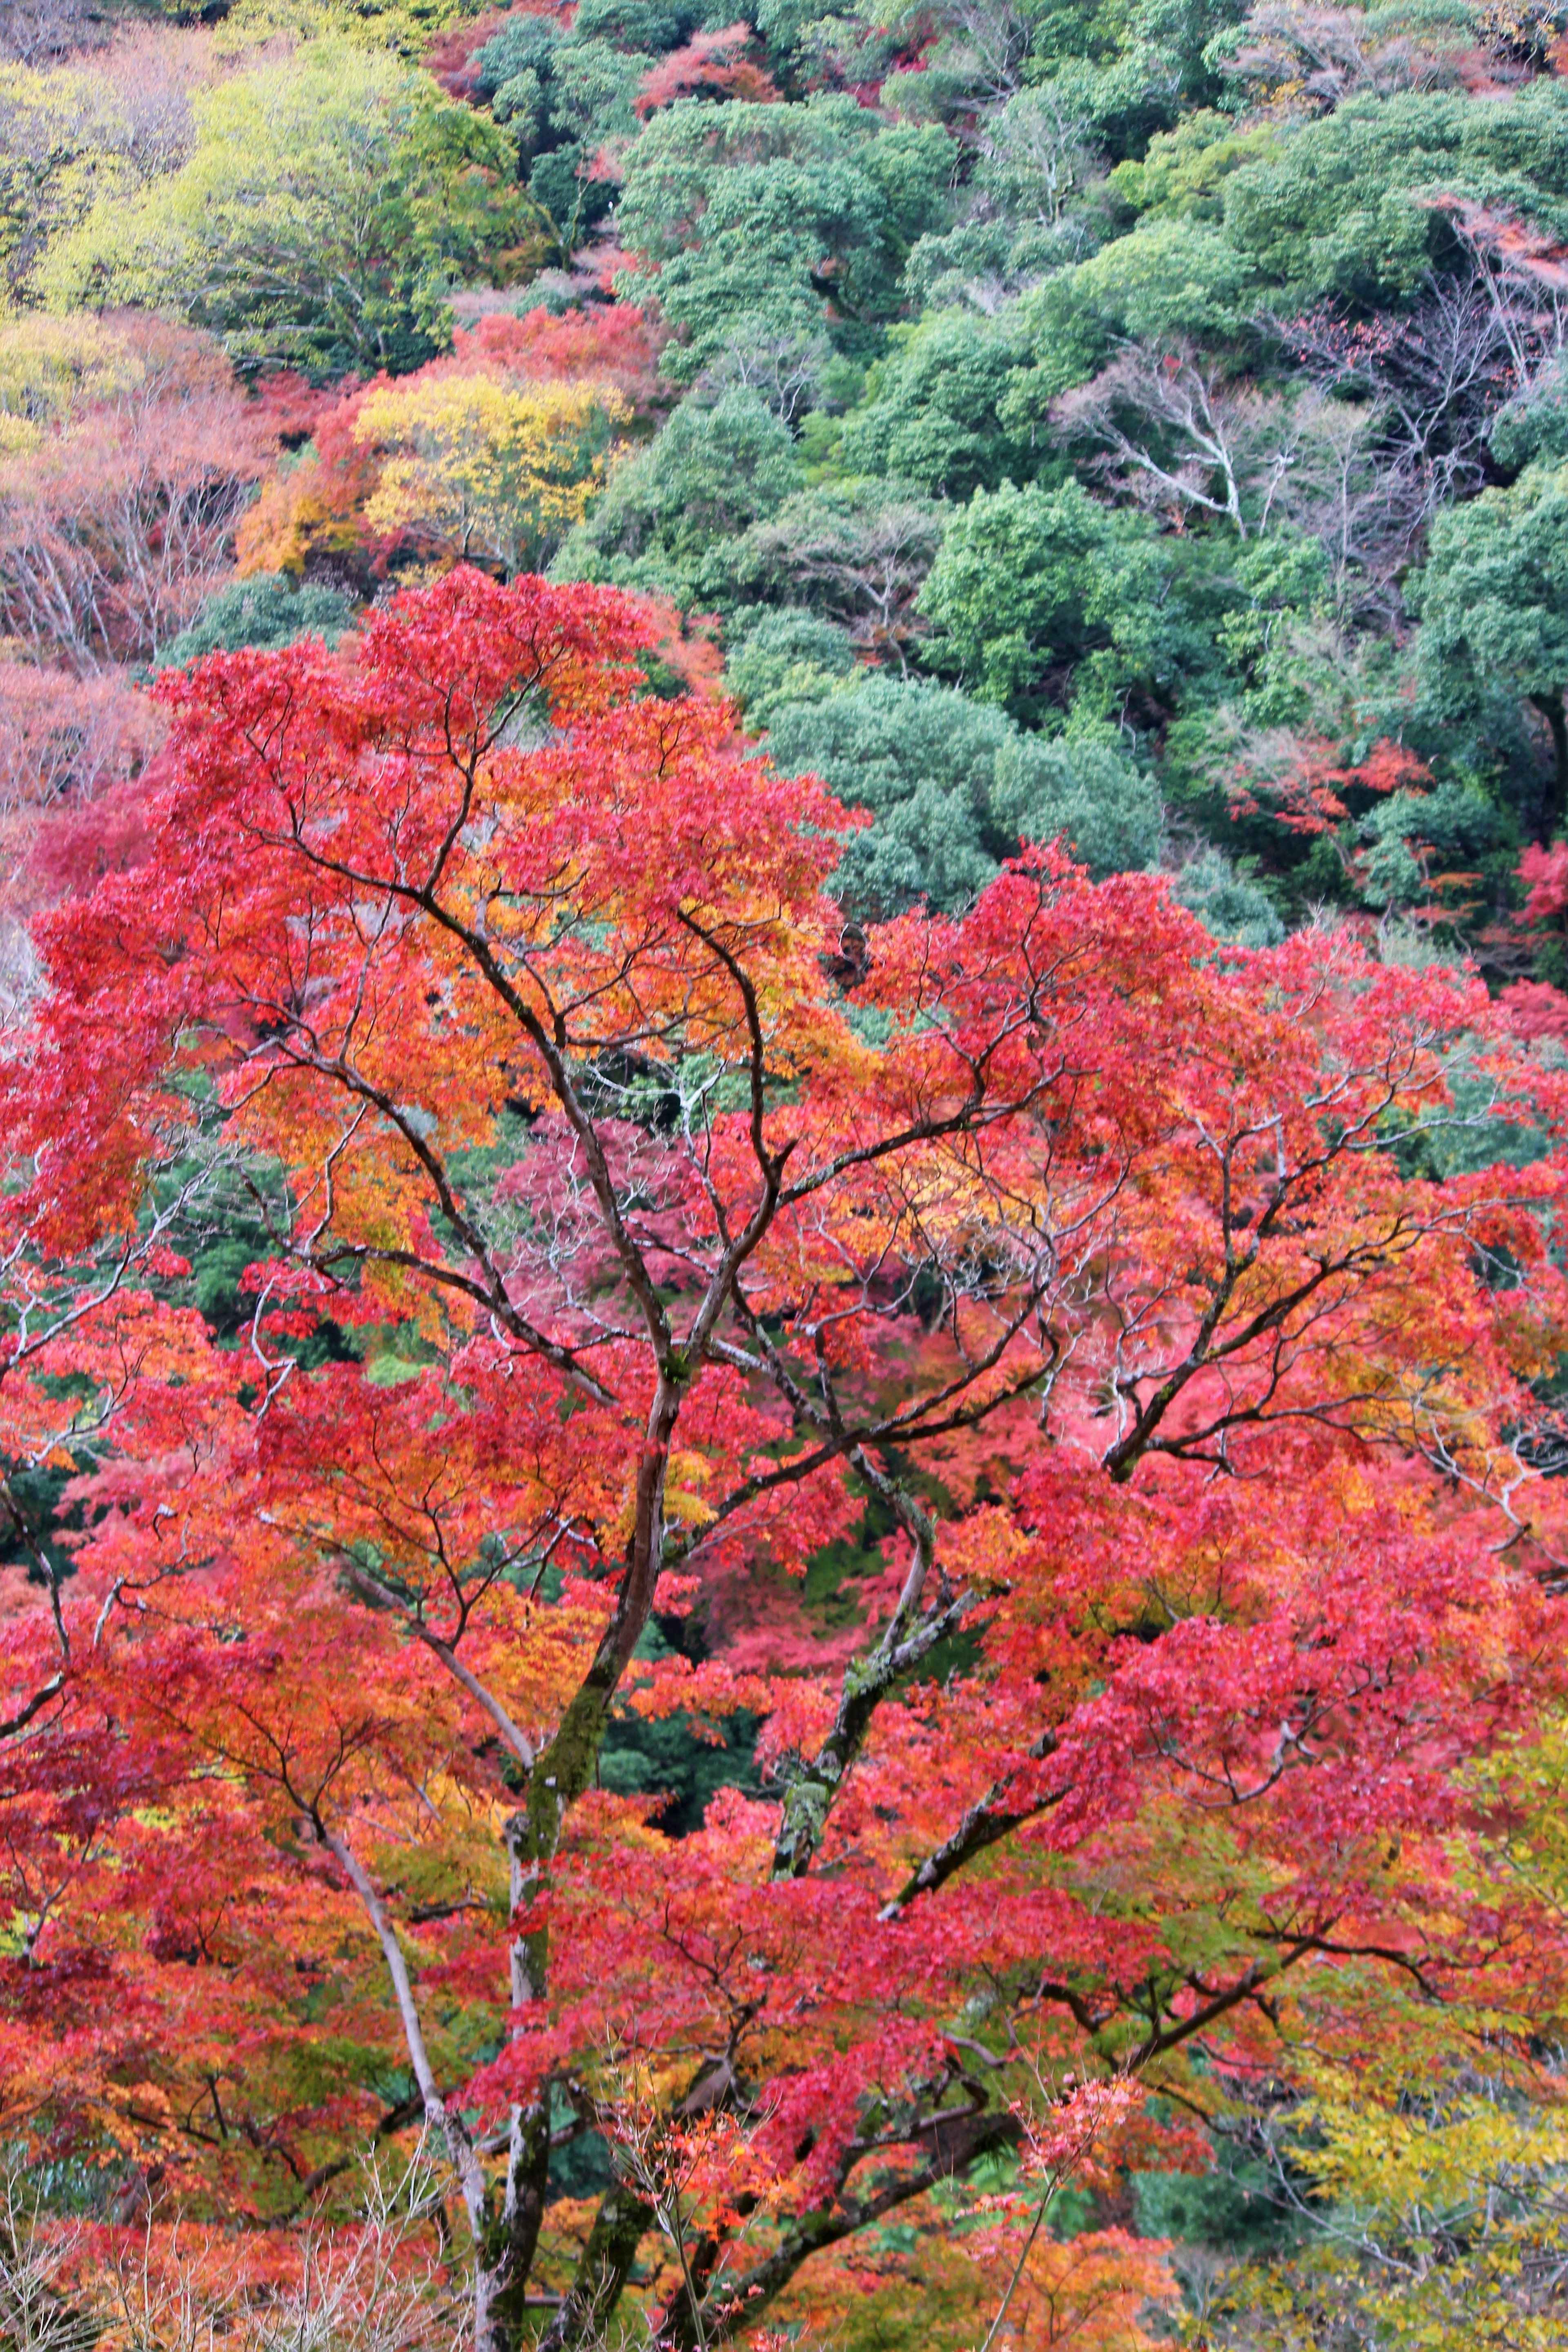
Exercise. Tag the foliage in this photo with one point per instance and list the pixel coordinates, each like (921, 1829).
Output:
(85, 132)
(670, 511)
(786, 655)
(835, 1548)
(328, 203)
(372, 2286)
(1429, 2221)
(713, 64)
(50, 369)
(1227, 903)
(859, 549)
(953, 788)
(497, 473)
(116, 526)
(1342, 209)
(607, 1257)
(63, 736)
(1031, 583)
(1492, 602)
(806, 214)
(931, 414)
(268, 609)
(496, 448)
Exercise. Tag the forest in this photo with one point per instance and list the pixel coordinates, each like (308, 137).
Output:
(783, 1152)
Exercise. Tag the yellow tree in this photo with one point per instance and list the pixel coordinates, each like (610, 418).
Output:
(1425, 2194)
(499, 472)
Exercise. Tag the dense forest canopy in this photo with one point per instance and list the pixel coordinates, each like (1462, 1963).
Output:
(783, 1070)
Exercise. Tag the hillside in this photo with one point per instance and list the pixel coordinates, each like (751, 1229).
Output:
(783, 919)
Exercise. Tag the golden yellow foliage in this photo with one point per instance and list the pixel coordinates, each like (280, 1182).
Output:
(300, 507)
(1435, 2221)
(50, 366)
(498, 472)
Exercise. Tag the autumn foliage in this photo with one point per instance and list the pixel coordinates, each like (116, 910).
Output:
(119, 503)
(609, 1262)
(713, 64)
(506, 433)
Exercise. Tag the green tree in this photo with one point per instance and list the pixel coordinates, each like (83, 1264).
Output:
(330, 199)
(774, 220)
(1228, 904)
(1342, 207)
(954, 787)
(267, 611)
(1171, 278)
(562, 94)
(1534, 430)
(933, 409)
(672, 513)
(788, 655)
(1080, 789)
(1182, 172)
(1031, 581)
(637, 24)
(1127, 67)
(1493, 602)
(857, 549)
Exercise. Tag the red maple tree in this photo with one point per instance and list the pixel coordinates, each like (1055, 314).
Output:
(715, 63)
(609, 1265)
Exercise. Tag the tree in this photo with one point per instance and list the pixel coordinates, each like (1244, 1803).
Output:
(1490, 600)
(785, 654)
(52, 368)
(40, 29)
(1342, 208)
(268, 609)
(120, 523)
(1039, 156)
(1173, 434)
(930, 415)
(859, 549)
(1436, 377)
(64, 737)
(493, 472)
(714, 65)
(63, 740)
(953, 788)
(499, 440)
(1434, 2221)
(1328, 53)
(91, 129)
(612, 344)
(755, 220)
(1028, 583)
(330, 199)
(1225, 903)
(670, 512)
(607, 1264)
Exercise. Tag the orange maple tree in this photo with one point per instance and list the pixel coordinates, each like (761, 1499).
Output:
(316, 508)
(617, 1241)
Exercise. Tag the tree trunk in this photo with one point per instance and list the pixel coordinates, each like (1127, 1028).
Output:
(513, 2240)
(557, 1777)
(584, 2314)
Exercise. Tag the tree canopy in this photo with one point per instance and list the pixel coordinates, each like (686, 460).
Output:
(691, 1265)
(783, 984)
